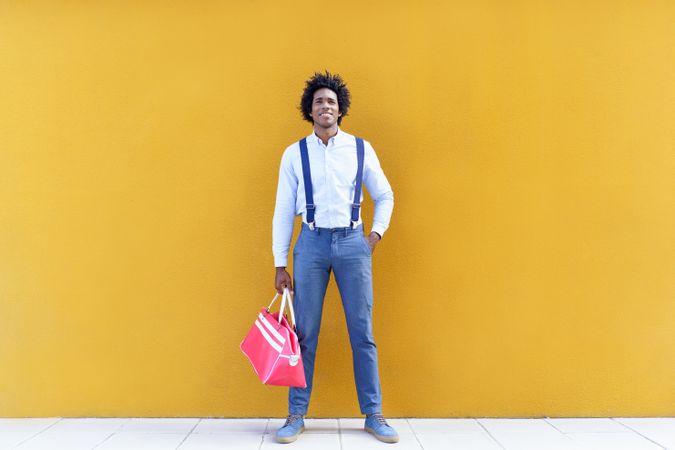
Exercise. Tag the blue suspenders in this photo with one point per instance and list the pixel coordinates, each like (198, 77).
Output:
(307, 178)
(359, 179)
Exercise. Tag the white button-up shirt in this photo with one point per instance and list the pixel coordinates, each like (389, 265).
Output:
(333, 169)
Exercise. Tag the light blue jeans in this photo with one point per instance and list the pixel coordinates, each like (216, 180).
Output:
(347, 254)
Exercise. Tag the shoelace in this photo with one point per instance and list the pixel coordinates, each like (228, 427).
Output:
(380, 419)
(292, 418)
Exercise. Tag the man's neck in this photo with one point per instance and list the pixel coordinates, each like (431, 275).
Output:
(325, 133)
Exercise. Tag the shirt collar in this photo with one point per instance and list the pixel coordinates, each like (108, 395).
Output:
(337, 136)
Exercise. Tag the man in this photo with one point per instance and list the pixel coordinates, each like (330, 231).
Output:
(331, 239)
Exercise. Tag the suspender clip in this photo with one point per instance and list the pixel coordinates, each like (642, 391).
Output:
(311, 207)
(355, 214)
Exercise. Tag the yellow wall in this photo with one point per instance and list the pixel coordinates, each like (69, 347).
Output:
(530, 265)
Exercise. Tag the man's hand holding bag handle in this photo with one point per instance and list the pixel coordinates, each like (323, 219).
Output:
(272, 347)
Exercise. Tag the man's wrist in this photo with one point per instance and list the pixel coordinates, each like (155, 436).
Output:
(379, 237)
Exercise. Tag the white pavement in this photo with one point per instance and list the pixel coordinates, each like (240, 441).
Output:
(337, 434)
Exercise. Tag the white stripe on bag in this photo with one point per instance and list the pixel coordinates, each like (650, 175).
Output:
(269, 326)
(267, 337)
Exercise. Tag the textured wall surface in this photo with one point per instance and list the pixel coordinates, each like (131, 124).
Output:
(530, 264)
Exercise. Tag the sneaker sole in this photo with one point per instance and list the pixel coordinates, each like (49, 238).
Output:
(289, 439)
(379, 437)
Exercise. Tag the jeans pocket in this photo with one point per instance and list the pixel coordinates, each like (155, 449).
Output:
(365, 242)
(298, 244)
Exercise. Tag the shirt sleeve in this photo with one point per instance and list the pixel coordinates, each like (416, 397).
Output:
(284, 211)
(380, 190)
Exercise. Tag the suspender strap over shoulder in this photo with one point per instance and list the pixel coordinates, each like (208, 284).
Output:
(356, 206)
(307, 179)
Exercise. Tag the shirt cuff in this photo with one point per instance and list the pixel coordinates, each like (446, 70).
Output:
(280, 261)
(379, 230)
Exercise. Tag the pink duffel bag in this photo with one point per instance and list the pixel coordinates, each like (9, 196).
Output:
(272, 347)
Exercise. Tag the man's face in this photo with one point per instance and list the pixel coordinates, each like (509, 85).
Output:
(325, 108)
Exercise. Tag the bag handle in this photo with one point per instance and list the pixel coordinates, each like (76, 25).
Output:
(290, 308)
(273, 300)
(285, 295)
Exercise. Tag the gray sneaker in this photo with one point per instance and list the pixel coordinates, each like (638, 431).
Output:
(294, 425)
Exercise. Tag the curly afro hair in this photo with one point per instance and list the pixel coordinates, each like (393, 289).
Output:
(333, 82)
